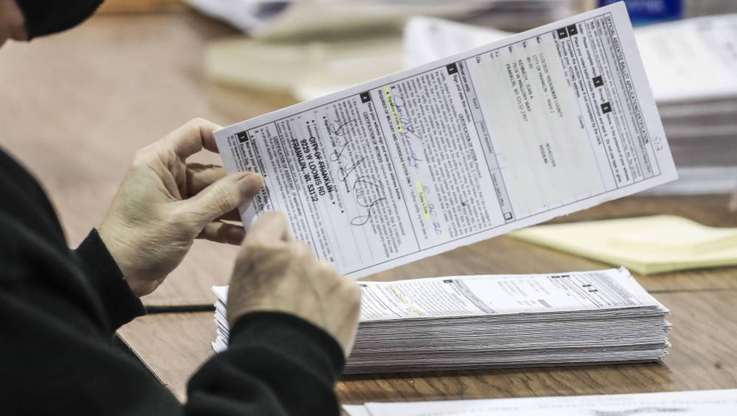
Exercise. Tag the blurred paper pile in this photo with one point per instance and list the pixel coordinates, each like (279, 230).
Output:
(306, 49)
(692, 68)
(300, 18)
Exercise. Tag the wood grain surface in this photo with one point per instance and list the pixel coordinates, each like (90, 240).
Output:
(703, 356)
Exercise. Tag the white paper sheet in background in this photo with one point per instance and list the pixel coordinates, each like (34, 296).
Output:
(693, 72)
(280, 19)
(540, 124)
(295, 19)
(689, 403)
(356, 410)
(428, 39)
(696, 58)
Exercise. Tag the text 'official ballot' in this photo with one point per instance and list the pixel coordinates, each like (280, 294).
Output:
(540, 124)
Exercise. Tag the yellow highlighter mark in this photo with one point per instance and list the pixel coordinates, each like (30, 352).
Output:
(395, 116)
(423, 200)
(406, 301)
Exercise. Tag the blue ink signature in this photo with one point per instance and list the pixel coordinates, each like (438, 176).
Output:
(437, 226)
(409, 135)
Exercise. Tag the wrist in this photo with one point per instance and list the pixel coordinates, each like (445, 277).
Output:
(116, 248)
(106, 280)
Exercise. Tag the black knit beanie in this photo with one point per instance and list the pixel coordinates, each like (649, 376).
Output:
(44, 17)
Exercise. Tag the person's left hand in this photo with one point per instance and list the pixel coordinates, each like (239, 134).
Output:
(164, 203)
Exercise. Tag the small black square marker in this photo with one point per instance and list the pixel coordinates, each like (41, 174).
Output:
(606, 108)
(365, 97)
(507, 216)
(598, 81)
(562, 33)
(242, 137)
(452, 69)
(572, 30)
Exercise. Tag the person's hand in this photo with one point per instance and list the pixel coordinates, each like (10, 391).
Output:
(164, 203)
(275, 273)
(12, 22)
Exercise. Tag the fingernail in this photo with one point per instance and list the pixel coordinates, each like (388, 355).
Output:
(250, 185)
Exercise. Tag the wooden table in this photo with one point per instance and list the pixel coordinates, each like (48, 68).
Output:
(76, 106)
(703, 356)
(703, 305)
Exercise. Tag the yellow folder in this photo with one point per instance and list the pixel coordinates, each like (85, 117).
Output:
(645, 245)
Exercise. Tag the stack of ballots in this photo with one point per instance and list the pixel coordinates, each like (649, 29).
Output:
(692, 68)
(491, 321)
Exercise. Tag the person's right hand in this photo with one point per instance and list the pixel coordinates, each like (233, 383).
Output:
(275, 273)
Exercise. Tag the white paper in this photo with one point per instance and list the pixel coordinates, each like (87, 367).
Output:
(501, 294)
(692, 59)
(246, 15)
(692, 403)
(462, 149)
(356, 410)
(428, 39)
(457, 296)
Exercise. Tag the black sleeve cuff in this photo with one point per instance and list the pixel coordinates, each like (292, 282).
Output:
(106, 280)
(276, 364)
(291, 336)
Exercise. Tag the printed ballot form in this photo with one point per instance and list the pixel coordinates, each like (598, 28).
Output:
(508, 135)
(457, 296)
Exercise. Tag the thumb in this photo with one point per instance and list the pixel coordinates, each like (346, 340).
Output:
(223, 196)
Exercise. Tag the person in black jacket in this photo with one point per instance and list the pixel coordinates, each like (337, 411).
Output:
(293, 318)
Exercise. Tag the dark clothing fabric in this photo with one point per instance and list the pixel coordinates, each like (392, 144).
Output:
(44, 17)
(60, 307)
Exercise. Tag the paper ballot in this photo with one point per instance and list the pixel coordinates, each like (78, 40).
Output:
(683, 403)
(492, 321)
(469, 147)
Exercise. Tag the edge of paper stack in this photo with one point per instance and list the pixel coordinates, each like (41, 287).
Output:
(492, 321)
